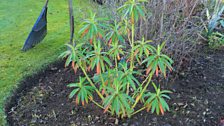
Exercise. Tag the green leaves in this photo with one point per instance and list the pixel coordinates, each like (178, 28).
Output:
(98, 58)
(74, 55)
(158, 62)
(116, 80)
(143, 49)
(92, 27)
(126, 76)
(132, 9)
(222, 23)
(116, 51)
(215, 37)
(216, 40)
(81, 90)
(114, 34)
(117, 101)
(213, 22)
(214, 12)
(156, 101)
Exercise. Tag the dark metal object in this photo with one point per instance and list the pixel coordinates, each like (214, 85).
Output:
(101, 2)
(39, 30)
(71, 16)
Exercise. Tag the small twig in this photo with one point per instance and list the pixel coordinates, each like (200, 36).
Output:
(202, 37)
(99, 105)
(141, 109)
(189, 16)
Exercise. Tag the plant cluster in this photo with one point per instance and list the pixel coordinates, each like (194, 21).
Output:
(124, 66)
(215, 27)
(180, 23)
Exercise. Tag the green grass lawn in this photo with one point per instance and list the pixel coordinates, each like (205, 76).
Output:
(16, 20)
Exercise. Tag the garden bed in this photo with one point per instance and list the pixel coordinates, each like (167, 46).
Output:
(197, 99)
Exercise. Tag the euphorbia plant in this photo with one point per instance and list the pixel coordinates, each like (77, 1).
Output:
(92, 27)
(115, 52)
(114, 34)
(117, 80)
(143, 49)
(98, 58)
(156, 102)
(117, 100)
(74, 56)
(132, 10)
(82, 90)
(158, 62)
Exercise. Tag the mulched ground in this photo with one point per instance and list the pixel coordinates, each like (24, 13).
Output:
(198, 99)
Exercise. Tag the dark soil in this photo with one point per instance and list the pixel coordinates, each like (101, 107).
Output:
(198, 99)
